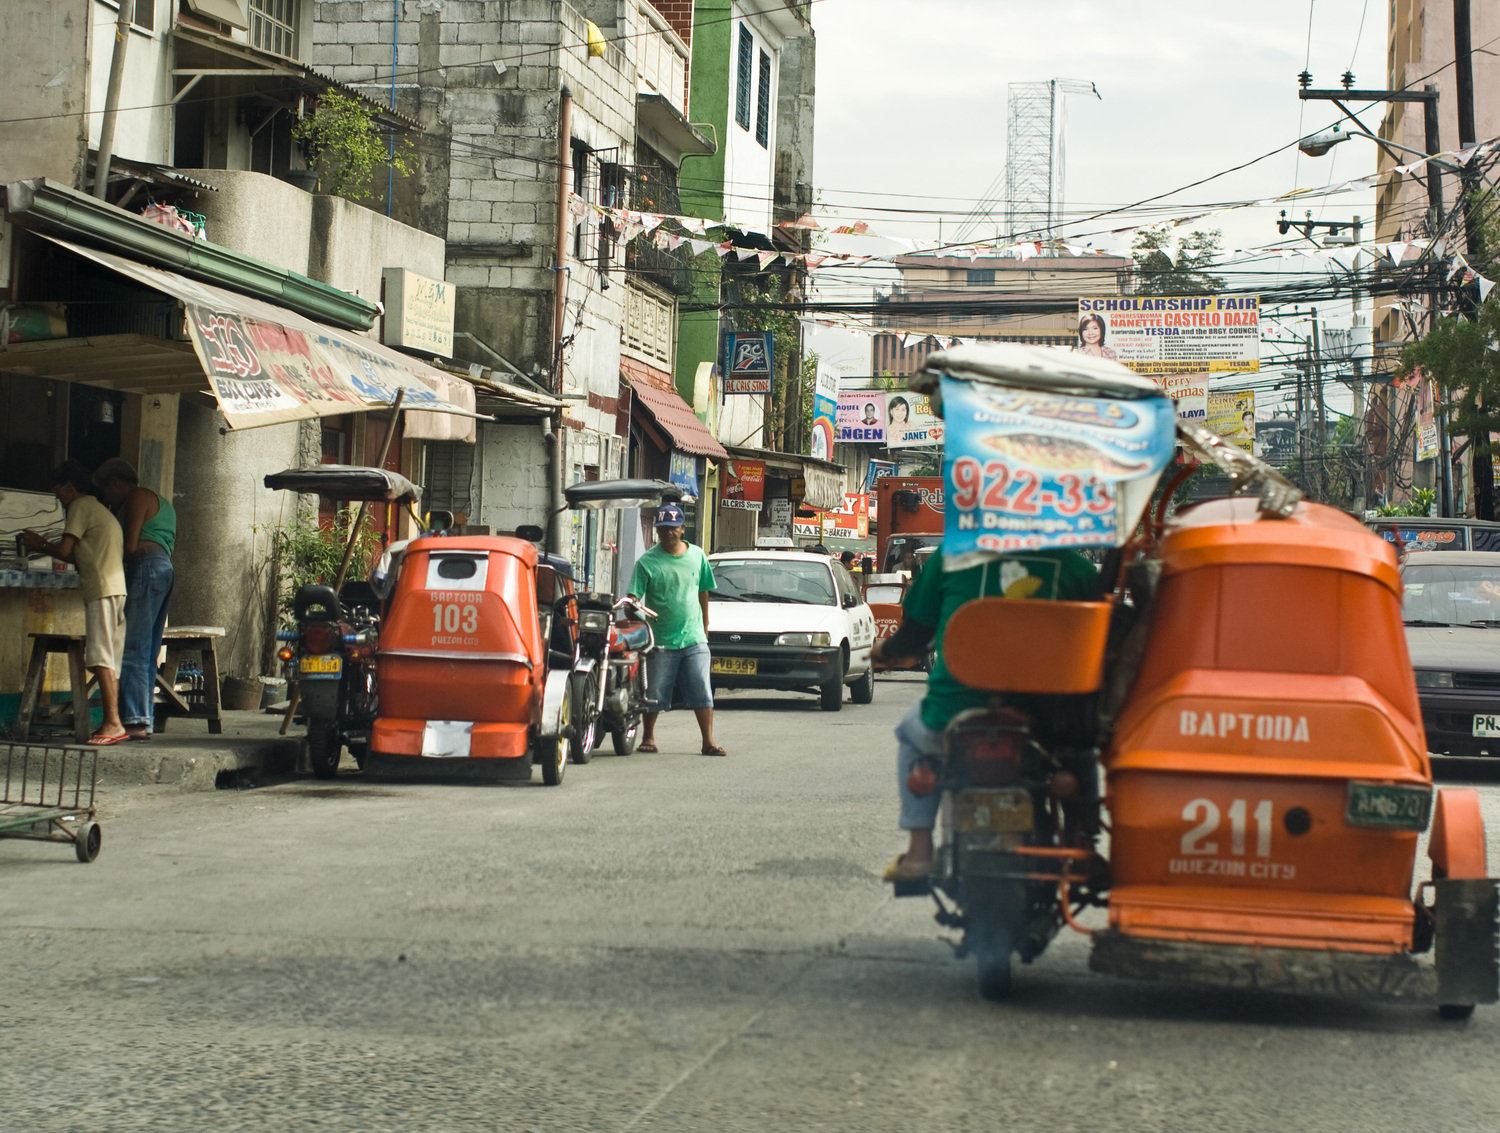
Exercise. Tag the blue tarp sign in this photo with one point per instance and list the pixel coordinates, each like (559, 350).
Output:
(1027, 471)
(683, 472)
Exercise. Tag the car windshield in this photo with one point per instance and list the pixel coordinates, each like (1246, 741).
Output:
(774, 580)
(1451, 595)
(904, 552)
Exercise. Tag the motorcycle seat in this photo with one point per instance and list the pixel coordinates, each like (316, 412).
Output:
(632, 635)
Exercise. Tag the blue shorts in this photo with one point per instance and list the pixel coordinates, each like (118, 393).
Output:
(672, 669)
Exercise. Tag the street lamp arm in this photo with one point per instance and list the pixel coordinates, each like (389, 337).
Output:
(1390, 147)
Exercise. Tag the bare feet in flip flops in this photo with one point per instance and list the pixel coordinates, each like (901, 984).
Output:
(710, 749)
(647, 747)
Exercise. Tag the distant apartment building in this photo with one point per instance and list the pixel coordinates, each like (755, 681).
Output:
(991, 299)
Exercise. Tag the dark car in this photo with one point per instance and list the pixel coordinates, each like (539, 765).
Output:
(1452, 613)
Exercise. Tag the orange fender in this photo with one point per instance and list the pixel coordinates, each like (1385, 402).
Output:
(1457, 844)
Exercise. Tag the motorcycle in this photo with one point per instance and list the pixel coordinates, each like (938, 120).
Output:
(613, 639)
(331, 653)
(1266, 778)
(608, 692)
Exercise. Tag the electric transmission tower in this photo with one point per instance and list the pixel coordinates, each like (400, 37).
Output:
(1031, 204)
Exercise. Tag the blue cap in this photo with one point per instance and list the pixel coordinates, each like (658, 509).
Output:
(670, 515)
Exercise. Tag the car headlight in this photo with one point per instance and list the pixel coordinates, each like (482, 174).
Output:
(804, 640)
(1426, 678)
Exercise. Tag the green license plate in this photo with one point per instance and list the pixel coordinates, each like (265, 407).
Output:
(1005, 811)
(1387, 807)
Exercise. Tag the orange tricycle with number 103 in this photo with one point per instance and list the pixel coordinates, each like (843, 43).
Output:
(1241, 679)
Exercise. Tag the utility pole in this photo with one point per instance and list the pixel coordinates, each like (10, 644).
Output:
(1317, 391)
(1480, 460)
(112, 100)
(1303, 371)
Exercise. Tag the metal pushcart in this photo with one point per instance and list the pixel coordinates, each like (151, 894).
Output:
(49, 797)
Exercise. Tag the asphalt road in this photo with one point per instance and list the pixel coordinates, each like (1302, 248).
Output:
(666, 942)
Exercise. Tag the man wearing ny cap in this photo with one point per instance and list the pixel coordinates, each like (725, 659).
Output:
(673, 580)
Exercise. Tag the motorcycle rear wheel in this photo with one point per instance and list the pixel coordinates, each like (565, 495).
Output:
(323, 748)
(995, 913)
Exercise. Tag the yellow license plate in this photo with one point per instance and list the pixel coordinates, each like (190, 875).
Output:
(735, 666)
(325, 663)
(1004, 811)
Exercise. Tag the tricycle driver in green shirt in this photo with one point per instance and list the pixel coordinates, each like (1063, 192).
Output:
(673, 580)
(934, 596)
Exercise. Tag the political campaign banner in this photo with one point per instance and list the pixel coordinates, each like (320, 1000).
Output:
(1027, 471)
(861, 417)
(1190, 394)
(748, 362)
(1427, 430)
(1172, 334)
(1231, 414)
(744, 485)
(910, 421)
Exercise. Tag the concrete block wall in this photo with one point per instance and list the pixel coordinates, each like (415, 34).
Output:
(510, 476)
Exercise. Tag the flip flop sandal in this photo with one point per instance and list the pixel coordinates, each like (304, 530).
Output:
(648, 748)
(97, 740)
(898, 870)
(711, 750)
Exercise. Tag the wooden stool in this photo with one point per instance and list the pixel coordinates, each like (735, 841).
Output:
(36, 670)
(190, 639)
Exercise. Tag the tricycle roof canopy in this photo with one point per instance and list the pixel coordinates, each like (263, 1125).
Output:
(345, 482)
(614, 493)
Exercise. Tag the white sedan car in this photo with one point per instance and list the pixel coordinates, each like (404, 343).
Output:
(790, 620)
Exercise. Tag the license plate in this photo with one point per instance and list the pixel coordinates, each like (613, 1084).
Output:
(1487, 727)
(1388, 807)
(1005, 811)
(324, 663)
(735, 666)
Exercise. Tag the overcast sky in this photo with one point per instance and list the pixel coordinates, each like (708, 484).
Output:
(911, 104)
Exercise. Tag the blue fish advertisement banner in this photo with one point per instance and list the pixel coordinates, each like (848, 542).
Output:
(1029, 471)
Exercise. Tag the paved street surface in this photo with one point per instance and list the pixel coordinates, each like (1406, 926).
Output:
(667, 942)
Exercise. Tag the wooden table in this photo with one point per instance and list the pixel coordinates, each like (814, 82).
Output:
(190, 639)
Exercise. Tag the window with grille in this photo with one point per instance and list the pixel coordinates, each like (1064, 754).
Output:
(743, 92)
(273, 26)
(763, 103)
(981, 277)
(450, 464)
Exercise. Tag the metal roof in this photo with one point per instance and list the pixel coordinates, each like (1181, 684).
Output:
(678, 421)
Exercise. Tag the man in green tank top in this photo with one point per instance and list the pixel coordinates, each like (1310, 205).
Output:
(149, 522)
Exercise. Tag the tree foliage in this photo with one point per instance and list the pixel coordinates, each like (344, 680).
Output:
(1159, 272)
(346, 146)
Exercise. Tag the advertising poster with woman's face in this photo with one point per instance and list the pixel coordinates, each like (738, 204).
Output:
(1093, 336)
(910, 421)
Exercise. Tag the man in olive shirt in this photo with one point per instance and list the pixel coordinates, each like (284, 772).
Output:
(93, 541)
(673, 579)
(934, 596)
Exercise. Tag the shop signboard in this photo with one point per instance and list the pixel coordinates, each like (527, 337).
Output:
(861, 417)
(748, 362)
(418, 312)
(1427, 430)
(910, 421)
(1231, 414)
(1026, 471)
(1172, 334)
(878, 470)
(682, 471)
(779, 517)
(744, 485)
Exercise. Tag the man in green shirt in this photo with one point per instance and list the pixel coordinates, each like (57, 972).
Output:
(934, 596)
(673, 580)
